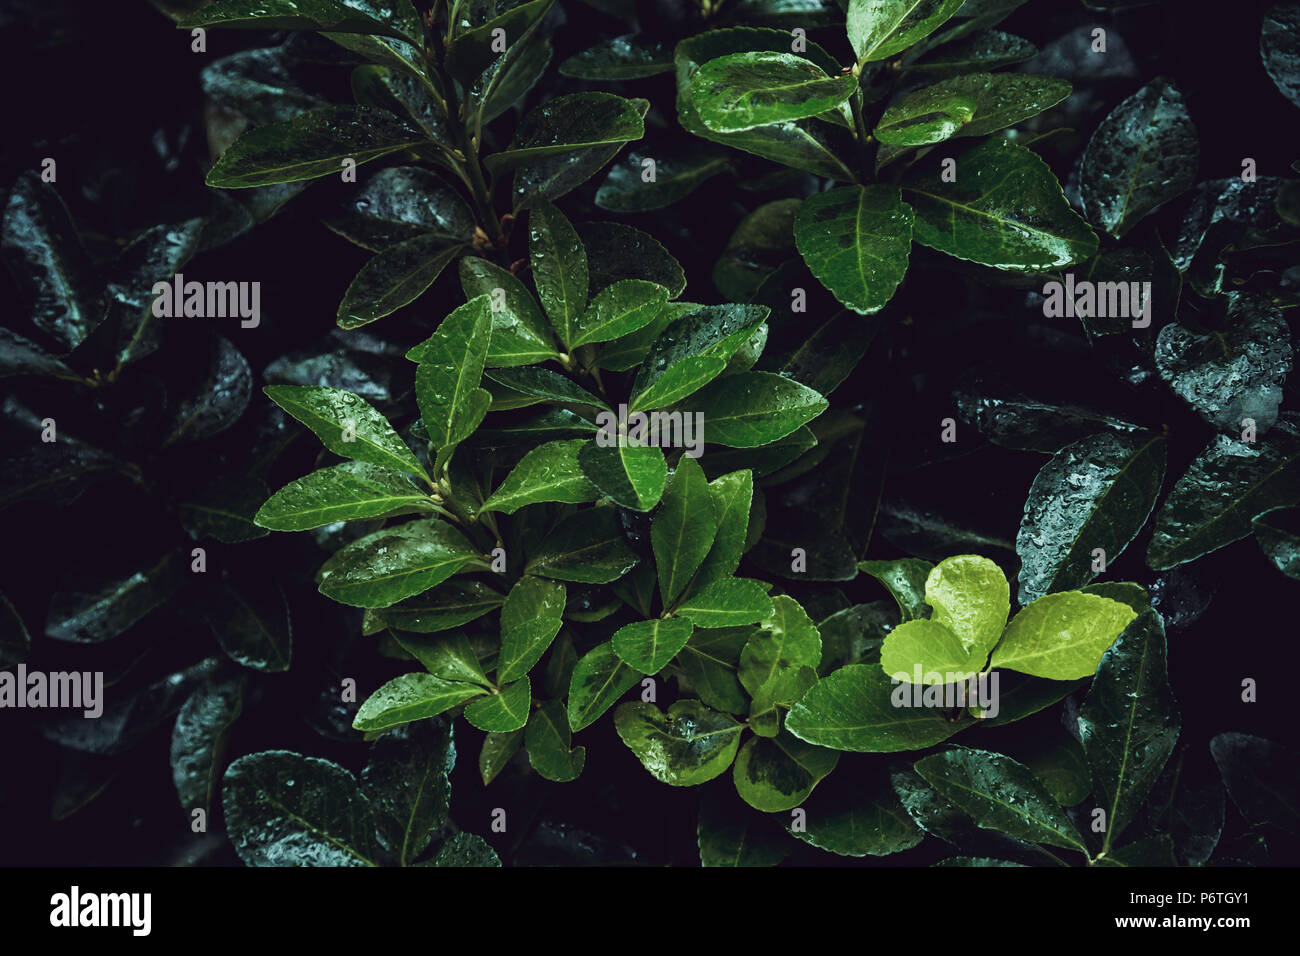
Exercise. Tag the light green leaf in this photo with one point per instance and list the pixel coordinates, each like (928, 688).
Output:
(620, 309)
(692, 351)
(413, 696)
(648, 646)
(689, 746)
(930, 648)
(856, 240)
(1062, 636)
(732, 496)
(447, 379)
(728, 602)
(530, 619)
(346, 424)
(779, 663)
(970, 597)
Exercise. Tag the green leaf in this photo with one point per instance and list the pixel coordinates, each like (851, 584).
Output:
(413, 696)
(850, 819)
(587, 547)
(544, 384)
(224, 510)
(729, 836)
(728, 602)
(530, 619)
(448, 656)
(465, 849)
(346, 424)
(1230, 483)
(559, 269)
(688, 746)
(454, 602)
(633, 475)
(905, 579)
(1000, 794)
(691, 352)
(354, 489)
(395, 563)
(618, 310)
(878, 29)
(51, 268)
(401, 88)
(311, 145)
(629, 57)
(472, 50)
(753, 408)
(1058, 762)
(496, 753)
(856, 240)
(1277, 533)
(343, 16)
(1006, 210)
(1129, 722)
(503, 712)
(599, 680)
(406, 782)
(20, 356)
(975, 104)
(251, 622)
(1094, 493)
(198, 741)
(549, 472)
(932, 649)
(102, 607)
(1062, 636)
(284, 809)
(447, 379)
(970, 597)
(732, 496)
(851, 709)
(779, 663)
(1233, 374)
(648, 646)
(778, 773)
(709, 663)
(808, 145)
(1142, 155)
(739, 91)
(520, 333)
(568, 123)
(549, 742)
(682, 531)
(395, 277)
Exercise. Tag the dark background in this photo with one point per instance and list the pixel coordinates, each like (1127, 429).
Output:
(112, 91)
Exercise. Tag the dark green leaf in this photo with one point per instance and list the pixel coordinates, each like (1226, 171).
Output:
(401, 203)
(549, 741)
(599, 680)
(100, 609)
(410, 697)
(628, 57)
(559, 269)
(633, 475)
(904, 578)
(1260, 777)
(1279, 48)
(346, 424)
(688, 746)
(406, 782)
(728, 602)
(971, 105)
(354, 489)
(616, 251)
(345, 16)
(395, 563)
(682, 531)
(849, 819)
(856, 241)
(251, 622)
(880, 28)
(199, 740)
(728, 836)
(648, 646)
(651, 178)
(568, 123)
(520, 333)
(549, 472)
(587, 547)
(739, 91)
(1278, 534)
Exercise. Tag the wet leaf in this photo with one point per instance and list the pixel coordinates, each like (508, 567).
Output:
(692, 352)
(1129, 722)
(411, 697)
(98, 610)
(648, 646)
(689, 745)
(683, 529)
(447, 379)
(728, 836)
(778, 773)
(284, 809)
(530, 619)
(346, 424)
(652, 178)
(550, 472)
(1279, 48)
(1006, 210)
(849, 819)
(382, 568)
(198, 740)
(1278, 534)
(346, 492)
(1061, 636)
(395, 277)
(599, 680)
(1260, 778)
(905, 579)
(633, 475)
(739, 91)
(628, 57)
(502, 712)
(1142, 155)
(520, 333)
(616, 251)
(974, 104)
(880, 28)
(1230, 483)
(401, 203)
(549, 742)
(405, 781)
(497, 751)
(856, 241)
(1095, 493)
(455, 602)
(559, 264)
(345, 16)
(587, 547)
(728, 602)
(567, 123)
